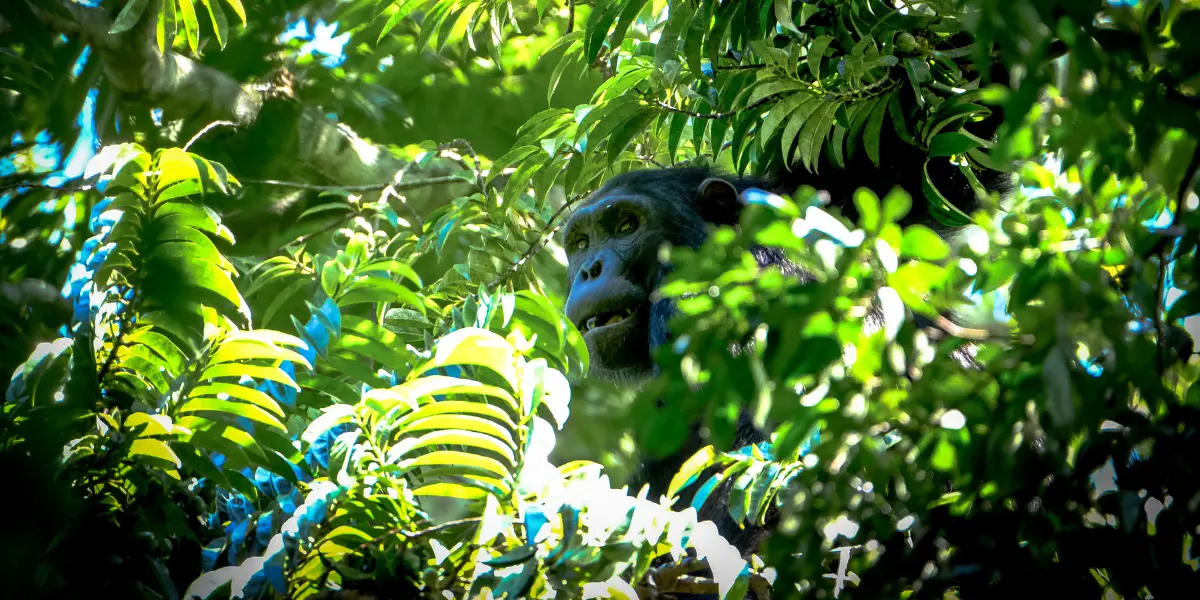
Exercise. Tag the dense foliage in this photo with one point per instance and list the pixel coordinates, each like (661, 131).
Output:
(299, 349)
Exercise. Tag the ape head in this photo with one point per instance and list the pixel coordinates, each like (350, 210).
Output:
(612, 245)
(613, 242)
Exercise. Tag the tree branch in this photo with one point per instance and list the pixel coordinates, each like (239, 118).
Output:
(317, 149)
(207, 128)
(543, 239)
(181, 86)
(370, 187)
(408, 535)
(42, 186)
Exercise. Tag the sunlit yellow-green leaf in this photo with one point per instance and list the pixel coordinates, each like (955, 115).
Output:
(247, 350)
(156, 449)
(241, 392)
(240, 409)
(473, 346)
(462, 422)
(463, 438)
(458, 407)
(224, 370)
(450, 490)
(155, 424)
(457, 458)
(331, 417)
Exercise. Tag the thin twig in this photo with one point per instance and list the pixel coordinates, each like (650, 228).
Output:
(717, 115)
(1159, 336)
(464, 144)
(389, 192)
(408, 535)
(300, 241)
(740, 67)
(967, 333)
(112, 356)
(370, 187)
(571, 16)
(206, 129)
(1185, 188)
(534, 248)
(43, 186)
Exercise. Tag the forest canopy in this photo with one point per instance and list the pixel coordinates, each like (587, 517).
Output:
(283, 287)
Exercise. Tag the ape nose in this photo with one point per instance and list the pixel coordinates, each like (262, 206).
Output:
(594, 269)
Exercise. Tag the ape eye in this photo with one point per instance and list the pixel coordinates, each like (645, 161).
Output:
(627, 226)
(579, 245)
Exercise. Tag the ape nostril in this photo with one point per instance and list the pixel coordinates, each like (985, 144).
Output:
(593, 270)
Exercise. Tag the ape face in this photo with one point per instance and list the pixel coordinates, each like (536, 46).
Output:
(612, 245)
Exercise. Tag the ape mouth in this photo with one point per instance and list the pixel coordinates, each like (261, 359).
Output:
(605, 319)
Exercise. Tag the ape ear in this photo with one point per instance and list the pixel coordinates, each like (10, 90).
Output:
(718, 201)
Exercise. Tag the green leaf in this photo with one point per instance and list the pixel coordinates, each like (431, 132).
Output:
(869, 215)
(949, 144)
(783, 14)
(161, 345)
(1057, 377)
(945, 456)
(942, 209)
(874, 131)
(896, 205)
(195, 271)
(455, 407)
(812, 136)
(444, 422)
(220, 23)
(693, 45)
(472, 346)
(454, 458)
(626, 131)
(773, 88)
(450, 490)
(568, 60)
(249, 411)
(691, 469)
(432, 385)
(795, 122)
(431, 20)
(1185, 306)
(403, 8)
(668, 41)
(283, 297)
(192, 215)
(462, 438)
(378, 290)
(378, 345)
(516, 556)
(331, 417)
(600, 20)
(247, 349)
(156, 449)
(129, 16)
(816, 54)
(326, 207)
(166, 20)
(154, 424)
(923, 243)
(241, 392)
(238, 9)
(780, 113)
(393, 267)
